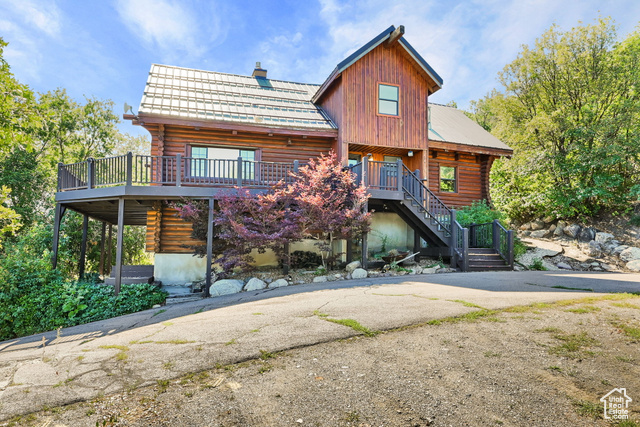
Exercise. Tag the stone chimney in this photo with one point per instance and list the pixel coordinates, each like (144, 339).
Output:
(259, 71)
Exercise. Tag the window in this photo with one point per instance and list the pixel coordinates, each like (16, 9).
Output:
(388, 97)
(354, 159)
(219, 162)
(448, 179)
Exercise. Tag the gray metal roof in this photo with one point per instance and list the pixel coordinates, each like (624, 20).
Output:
(207, 95)
(448, 124)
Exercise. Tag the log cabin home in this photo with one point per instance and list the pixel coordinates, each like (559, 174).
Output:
(211, 131)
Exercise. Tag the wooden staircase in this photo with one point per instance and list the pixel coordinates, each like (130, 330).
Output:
(486, 259)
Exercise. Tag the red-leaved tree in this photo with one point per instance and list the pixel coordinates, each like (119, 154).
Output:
(323, 202)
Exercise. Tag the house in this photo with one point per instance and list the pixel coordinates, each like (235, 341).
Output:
(212, 131)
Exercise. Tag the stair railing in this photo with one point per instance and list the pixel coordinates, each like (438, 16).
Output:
(427, 202)
(459, 244)
(493, 235)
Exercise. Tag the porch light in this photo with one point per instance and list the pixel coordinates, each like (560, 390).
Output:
(410, 153)
(369, 155)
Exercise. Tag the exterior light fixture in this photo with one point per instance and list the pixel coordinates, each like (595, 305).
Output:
(369, 155)
(410, 153)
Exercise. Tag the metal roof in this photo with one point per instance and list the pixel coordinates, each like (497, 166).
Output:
(207, 95)
(448, 124)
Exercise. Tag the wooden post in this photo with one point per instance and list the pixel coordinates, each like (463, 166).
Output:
(286, 262)
(83, 246)
(465, 249)
(399, 173)
(91, 173)
(365, 171)
(129, 168)
(209, 248)
(57, 220)
(118, 272)
(109, 249)
(495, 235)
(296, 166)
(365, 247)
(453, 242)
(416, 245)
(239, 183)
(61, 184)
(510, 248)
(349, 250)
(102, 239)
(178, 170)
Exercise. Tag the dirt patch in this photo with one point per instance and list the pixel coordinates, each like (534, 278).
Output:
(542, 365)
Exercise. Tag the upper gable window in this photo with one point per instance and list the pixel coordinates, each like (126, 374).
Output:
(388, 99)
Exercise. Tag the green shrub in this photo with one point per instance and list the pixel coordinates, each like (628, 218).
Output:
(305, 259)
(478, 213)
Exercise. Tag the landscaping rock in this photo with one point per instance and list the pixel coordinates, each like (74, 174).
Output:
(603, 238)
(552, 228)
(226, 287)
(359, 273)
(432, 270)
(634, 265)
(587, 234)
(255, 284)
(559, 231)
(561, 223)
(572, 230)
(607, 267)
(619, 249)
(352, 266)
(630, 254)
(564, 266)
(278, 283)
(548, 219)
(537, 225)
(416, 270)
(526, 233)
(337, 276)
(526, 226)
(539, 234)
(594, 249)
(550, 250)
(320, 279)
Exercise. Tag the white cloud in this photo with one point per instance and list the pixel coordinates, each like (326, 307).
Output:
(170, 27)
(43, 16)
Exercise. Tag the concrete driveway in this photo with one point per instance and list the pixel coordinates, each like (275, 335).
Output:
(86, 361)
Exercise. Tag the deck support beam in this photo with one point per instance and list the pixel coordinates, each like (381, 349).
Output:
(209, 247)
(349, 250)
(416, 245)
(102, 240)
(118, 272)
(83, 246)
(109, 249)
(57, 221)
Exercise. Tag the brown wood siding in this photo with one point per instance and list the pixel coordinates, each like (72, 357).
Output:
(332, 102)
(361, 123)
(175, 233)
(276, 148)
(468, 174)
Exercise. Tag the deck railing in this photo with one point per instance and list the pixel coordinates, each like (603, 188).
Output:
(177, 170)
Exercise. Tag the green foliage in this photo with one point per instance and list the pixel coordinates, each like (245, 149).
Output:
(9, 219)
(478, 213)
(537, 265)
(570, 109)
(34, 298)
(305, 259)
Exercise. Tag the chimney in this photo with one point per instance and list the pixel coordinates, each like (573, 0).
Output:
(259, 72)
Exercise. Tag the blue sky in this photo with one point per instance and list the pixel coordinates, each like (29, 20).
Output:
(105, 48)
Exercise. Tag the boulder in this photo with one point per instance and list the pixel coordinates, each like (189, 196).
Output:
(416, 270)
(634, 265)
(352, 266)
(587, 234)
(537, 225)
(525, 233)
(432, 270)
(594, 249)
(359, 273)
(564, 266)
(320, 279)
(630, 254)
(278, 283)
(572, 230)
(525, 227)
(226, 287)
(619, 249)
(559, 231)
(603, 238)
(539, 234)
(561, 223)
(552, 228)
(607, 267)
(254, 284)
(548, 219)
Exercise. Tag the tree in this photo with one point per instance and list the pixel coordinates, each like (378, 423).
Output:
(330, 203)
(570, 110)
(323, 203)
